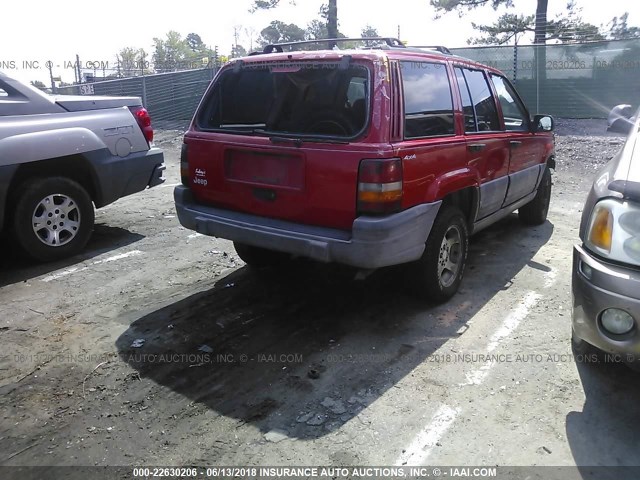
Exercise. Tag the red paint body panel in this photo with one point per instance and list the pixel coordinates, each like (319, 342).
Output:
(320, 188)
(264, 169)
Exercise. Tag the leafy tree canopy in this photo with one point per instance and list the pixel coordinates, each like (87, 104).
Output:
(278, 32)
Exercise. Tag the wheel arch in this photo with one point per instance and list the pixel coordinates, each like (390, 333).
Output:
(460, 188)
(467, 200)
(74, 167)
(551, 162)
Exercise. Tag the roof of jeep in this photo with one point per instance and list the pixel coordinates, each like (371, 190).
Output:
(364, 54)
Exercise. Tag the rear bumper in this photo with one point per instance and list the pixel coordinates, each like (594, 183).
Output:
(144, 170)
(119, 177)
(607, 286)
(372, 243)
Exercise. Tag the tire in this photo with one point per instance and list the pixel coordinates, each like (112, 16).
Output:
(260, 257)
(437, 275)
(535, 212)
(53, 218)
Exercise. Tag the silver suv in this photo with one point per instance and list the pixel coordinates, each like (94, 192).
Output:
(606, 266)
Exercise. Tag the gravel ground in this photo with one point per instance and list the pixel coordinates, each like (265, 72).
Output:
(158, 346)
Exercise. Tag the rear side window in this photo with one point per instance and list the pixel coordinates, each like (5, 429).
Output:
(314, 99)
(3, 93)
(428, 106)
(484, 104)
(513, 111)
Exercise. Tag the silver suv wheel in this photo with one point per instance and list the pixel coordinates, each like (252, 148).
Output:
(56, 220)
(450, 258)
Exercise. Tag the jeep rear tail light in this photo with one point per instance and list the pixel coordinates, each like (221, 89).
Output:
(144, 120)
(380, 186)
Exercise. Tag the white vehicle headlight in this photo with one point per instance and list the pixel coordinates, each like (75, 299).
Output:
(614, 231)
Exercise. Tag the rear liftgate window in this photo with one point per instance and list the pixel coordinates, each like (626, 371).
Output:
(302, 99)
(428, 105)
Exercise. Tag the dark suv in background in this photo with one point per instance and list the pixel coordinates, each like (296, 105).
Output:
(372, 157)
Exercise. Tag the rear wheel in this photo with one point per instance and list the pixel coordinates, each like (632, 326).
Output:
(535, 212)
(438, 273)
(53, 218)
(260, 257)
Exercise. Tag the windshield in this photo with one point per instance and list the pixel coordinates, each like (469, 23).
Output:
(302, 99)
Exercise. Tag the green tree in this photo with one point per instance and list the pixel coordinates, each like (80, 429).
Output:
(620, 30)
(328, 11)
(131, 62)
(39, 84)
(504, 27)
(279, 32)
(316, 30)
(238, 51)
(194, 42)
(369, 31)
(569, 28)
(508, 27)
(573, 32)
(199, 54)
(170, 53)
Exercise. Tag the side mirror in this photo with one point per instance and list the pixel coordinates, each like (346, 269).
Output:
(543, 123)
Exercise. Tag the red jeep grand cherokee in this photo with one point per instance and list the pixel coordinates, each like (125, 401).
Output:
(370, 157)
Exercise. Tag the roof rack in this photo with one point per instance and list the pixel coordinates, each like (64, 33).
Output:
(438, 48)
(389, 41)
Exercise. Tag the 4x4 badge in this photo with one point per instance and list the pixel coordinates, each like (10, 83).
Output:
(410, 157)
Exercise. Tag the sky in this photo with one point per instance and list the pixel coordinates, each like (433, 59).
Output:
(34, 32)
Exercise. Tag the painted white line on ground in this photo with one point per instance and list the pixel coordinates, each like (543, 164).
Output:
(168, 185)
(422, 445)
(69, 271)
(420, 448)
(119, 257)
(61, 274)
(513, 320)
(510, 323)
(194, 235)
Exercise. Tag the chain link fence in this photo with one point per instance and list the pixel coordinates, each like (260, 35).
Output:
(568, 80)
(168, 96)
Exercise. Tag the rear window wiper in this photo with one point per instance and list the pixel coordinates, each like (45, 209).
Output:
(276, 139)
(239, 131)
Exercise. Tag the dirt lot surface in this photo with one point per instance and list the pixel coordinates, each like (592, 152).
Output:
(158, 346)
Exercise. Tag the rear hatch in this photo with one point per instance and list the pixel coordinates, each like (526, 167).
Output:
(284, 139)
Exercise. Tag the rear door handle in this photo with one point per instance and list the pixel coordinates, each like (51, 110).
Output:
(515, 143)
(476, 147)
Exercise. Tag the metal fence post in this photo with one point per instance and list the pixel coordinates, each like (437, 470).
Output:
(144, 91)
(515, 62)
(537, 55)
